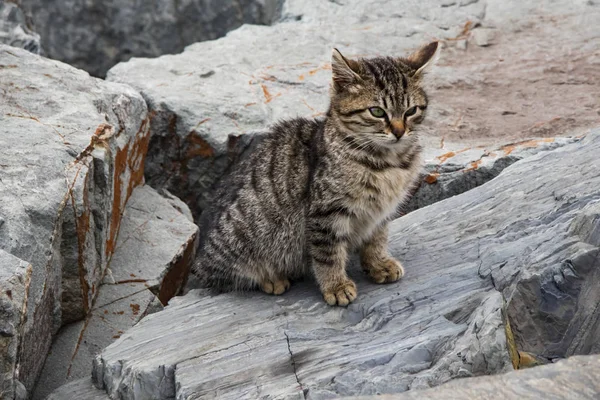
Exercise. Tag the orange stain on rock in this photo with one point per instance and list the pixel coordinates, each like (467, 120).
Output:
(198, 146)
(266, 93)
(133, 158)
(509, 148)
(474, 165)
(135, 308)
(446, 156)
(432, 178)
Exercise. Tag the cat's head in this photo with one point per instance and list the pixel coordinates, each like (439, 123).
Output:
(380, 99)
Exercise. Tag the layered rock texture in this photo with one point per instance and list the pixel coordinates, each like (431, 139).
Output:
(510, 266)
(575, 379)
(71, 152)
(95, 35)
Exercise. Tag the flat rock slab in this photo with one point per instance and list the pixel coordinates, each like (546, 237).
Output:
(486, 102)
(577, 378)
(71, 151)
(156, 245)
(471, 261)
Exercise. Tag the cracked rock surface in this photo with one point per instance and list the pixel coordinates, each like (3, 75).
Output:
(487, 103)
(156, 244)
(71, 151)
(95, 35)
(577, 378)
(465, 307)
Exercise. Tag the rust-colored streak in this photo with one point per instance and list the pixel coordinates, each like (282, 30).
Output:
(432, 178)
(137, 157)
(446, 156)
(102, 128)
(301, 77)
(474, 165)
(307, 105)
(509, 148)
(202, 122)
(175, 278)
(133, 158)
(266, 93)
(198, 146)
(115, 217)
(135, 308)
(136, 280)
(319, 68)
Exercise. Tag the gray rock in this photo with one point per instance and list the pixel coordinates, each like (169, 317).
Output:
(95, 35)
(577, 378)
(454, 173)
(479, 265)
(72, 150)
(157, 244)
(81, 389)
(483, 36)
(15, 278)
(210, 100)
(15, 29)
(153, 254)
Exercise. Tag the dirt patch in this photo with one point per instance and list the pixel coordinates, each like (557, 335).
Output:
(538, 81)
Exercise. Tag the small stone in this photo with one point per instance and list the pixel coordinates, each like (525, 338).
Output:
(484, 37)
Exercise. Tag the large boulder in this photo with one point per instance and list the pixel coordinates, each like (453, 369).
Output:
(71, 152)
(487, 103)
(95, 35)
(505, 271)
(155, 249)
(15, 29)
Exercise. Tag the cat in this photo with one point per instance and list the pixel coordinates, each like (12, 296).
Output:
(314, 190)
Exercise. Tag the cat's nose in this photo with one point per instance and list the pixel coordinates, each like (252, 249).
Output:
(398, 128)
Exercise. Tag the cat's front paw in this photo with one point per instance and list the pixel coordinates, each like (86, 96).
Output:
(384, 270)
(275, 287)
(340, 294)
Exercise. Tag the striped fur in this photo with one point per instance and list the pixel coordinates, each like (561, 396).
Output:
(314, 190)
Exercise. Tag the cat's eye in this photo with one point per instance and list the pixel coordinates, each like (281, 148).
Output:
(377, 112)
(411, 111)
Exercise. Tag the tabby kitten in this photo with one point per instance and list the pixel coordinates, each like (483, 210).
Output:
(314, 190)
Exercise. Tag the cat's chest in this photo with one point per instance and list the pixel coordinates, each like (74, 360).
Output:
(380, 192)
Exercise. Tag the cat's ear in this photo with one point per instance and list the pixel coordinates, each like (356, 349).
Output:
(344, 71)
(423, 58)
